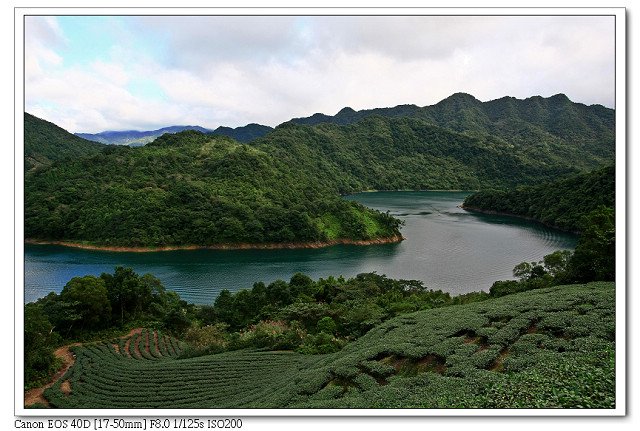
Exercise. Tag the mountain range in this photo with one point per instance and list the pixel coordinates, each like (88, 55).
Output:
(196, 188)
(521, 119)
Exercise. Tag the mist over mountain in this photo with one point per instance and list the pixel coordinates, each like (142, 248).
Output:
(135, 137)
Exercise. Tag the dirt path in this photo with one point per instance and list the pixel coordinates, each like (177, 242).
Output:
(35, 395)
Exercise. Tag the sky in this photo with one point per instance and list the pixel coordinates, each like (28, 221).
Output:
(89, 74)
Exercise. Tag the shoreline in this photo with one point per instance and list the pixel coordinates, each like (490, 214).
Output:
(499, 213)
(240, 246)
(407, 190)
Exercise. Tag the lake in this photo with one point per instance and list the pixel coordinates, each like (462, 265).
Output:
(447, 248)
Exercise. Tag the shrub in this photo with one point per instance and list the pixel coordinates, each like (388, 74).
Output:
(276, 335)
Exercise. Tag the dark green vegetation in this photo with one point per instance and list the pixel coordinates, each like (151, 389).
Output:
(190, 189)
(309, 316)
(545, 348)
(378, 153)
(561, 203)
(594, 259)
(45, 143)
(193, 189)
(244, 133)
(541, 125)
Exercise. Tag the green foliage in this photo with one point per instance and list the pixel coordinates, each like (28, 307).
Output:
(547, 127)
(39, 343)
(275, 335)
(326, 325)
(595, 254)
(88, 297)
(562, 203)
(46, 143)
(190, 189)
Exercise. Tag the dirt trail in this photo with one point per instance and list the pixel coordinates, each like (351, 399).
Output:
(33, 396)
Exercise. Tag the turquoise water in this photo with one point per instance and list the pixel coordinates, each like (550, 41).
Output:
(447, 248)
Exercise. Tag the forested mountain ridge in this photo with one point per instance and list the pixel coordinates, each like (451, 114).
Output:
(519, 121)
(378, 153)
(44, 143)
(561, 203)
(243, 134)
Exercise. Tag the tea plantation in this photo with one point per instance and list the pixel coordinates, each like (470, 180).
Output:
(546, 348)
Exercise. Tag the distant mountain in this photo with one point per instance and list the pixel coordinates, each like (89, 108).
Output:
(243, 134)
(45, 143)
(135, 138)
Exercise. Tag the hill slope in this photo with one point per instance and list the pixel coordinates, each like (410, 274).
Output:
(561, 203)
(243, 134)
(45, 143)
(405, 153)
(545, 348)
(190, 189)
(547, 123)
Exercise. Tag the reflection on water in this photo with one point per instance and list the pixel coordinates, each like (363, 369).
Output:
(447, 248)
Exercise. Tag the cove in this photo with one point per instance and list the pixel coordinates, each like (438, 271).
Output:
(446, 247)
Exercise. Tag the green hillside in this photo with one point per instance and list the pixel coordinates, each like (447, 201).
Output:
(404, 153)
(45, 143)
(541, 124)
(191, 189)
(561, 203)
(547, 348)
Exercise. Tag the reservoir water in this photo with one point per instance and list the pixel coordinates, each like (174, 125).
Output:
(446, 248)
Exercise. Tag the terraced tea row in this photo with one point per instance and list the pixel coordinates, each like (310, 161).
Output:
(473, 355)
(147, 345)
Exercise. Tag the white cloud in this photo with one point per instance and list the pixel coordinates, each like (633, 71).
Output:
(235, 70)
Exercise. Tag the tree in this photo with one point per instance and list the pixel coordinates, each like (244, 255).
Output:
(39, 341)
(594, 258)
(301, 284)
(557, 263)
(89, 296)
(123, 289)
(224, 307)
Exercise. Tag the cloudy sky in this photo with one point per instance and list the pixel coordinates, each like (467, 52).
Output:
(95, 73)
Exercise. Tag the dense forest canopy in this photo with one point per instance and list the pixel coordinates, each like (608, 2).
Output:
(190, 189)
(531, 121)
(45, 143)
(561, 203)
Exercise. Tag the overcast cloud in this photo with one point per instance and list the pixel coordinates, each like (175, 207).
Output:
(90, 74)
